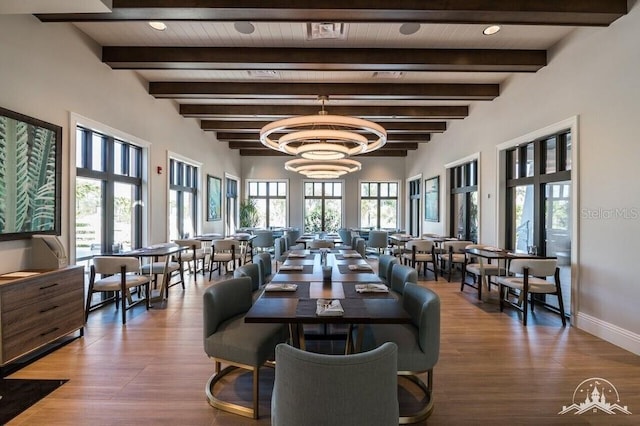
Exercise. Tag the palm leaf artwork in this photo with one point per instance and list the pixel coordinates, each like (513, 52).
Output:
(27, 177)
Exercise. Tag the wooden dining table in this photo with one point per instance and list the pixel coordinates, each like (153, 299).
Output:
(298, 308)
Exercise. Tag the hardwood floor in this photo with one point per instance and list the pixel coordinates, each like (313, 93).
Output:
(492, 370)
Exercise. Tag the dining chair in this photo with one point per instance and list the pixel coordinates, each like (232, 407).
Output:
(223, 253)
(378, 241)
(421, 251)
(161, 267)
(291, 237)
(315, 389)
(263, 260)
(400, 275)
(529, 278)
(453, 253)
(195, 254)
(263, 242)
(385, 264)
(418, 343)
(361, 247)
(239, 345)
(121, 274)
(250, 270)
(280, 251)
(345, 236)
(478, 269)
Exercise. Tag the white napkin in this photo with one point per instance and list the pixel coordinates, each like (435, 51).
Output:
(281, 287)
(372, 288)
(297, 255)
(291, 267)
(353, 255)
(329, 308)
(360, 267)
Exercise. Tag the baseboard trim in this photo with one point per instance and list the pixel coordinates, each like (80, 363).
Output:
(609, 332)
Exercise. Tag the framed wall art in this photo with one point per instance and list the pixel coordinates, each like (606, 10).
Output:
(214, 198)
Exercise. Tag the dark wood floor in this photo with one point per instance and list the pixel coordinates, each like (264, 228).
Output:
(492, 370)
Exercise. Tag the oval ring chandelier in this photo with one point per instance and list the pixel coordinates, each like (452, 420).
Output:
(318, 169)
(324, 136)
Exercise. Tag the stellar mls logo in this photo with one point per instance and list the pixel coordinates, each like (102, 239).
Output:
(594, 395)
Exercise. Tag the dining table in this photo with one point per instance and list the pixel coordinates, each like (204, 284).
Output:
(305, 239)
(296, 296)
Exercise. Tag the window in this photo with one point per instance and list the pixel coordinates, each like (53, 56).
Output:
(538, 201)
(183, 196)
(464, 201)
(271, 199)
(231, 194)
(379, 205)
(322, 206)
(108, 194)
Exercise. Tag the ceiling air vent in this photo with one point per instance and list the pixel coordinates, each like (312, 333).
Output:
(326, 30)
(388, 74)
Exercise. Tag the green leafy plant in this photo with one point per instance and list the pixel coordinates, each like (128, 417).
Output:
(249, 214)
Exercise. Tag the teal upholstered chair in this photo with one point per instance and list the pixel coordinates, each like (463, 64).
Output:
(263, 260)
(418, 343)
(229, 340)
(400, 275)
(314, 389)
(378, 241)
(385, 265)
(251, 270)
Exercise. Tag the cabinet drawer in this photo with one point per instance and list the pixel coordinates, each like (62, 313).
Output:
(41, 288)
(46, 314)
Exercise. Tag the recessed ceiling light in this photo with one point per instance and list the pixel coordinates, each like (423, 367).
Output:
(491, 29)
(409, 28)
(157, 25)
(244, 27)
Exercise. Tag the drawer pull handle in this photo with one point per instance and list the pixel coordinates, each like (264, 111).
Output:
(49, 309)
(48, 286)
(49, 331)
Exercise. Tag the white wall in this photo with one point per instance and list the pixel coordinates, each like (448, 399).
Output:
(48, 71)
(373, 169)
(593, 75)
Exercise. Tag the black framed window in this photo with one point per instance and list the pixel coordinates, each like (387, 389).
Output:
(183, 197)
(231, 195)
(270, 198)
(108, 194)
(323, 206)
(464, 201)
(379, 205)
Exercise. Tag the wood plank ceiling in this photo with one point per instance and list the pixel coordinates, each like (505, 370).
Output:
(412, 66)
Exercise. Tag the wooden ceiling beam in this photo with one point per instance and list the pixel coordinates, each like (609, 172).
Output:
(392, 138)
(271, 112)
(339, 91)
(273, 153)
(323, 59)
(506, 12)
(390, 127)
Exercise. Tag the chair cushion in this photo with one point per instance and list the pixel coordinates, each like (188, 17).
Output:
(489, 269)
(112, 283)
(250, 344)
(222, 257)
(536, 285)
(158, 267)
(454, 257)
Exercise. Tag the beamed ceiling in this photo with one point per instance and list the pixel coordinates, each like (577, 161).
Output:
(236, 67)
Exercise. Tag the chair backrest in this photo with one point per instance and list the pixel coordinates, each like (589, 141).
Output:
(263, 239)
(318, 389)
(354, 240)
(224, 300)
(378, 239)
(537, 267)
(400, 275)
(422, 246)
(263, 260)
(279, 249)
(345, 235)
(361, 246)
(385, 264)
(455, 246)
(226, 245)
(315, 244)
(197, 244)
(291, 237)
(423, 305)
(114, 264)
(251, 270)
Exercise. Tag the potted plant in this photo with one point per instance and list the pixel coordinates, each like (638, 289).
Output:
(248, 213)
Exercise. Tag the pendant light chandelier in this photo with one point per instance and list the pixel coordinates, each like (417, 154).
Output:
(323, 136)
(323, 169)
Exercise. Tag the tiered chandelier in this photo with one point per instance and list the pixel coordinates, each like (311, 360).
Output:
(323, 142)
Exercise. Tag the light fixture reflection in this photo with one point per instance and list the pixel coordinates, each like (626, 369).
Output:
(157, 25)
(491, 30)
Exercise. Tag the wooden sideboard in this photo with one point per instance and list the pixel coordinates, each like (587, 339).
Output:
(39, 309)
